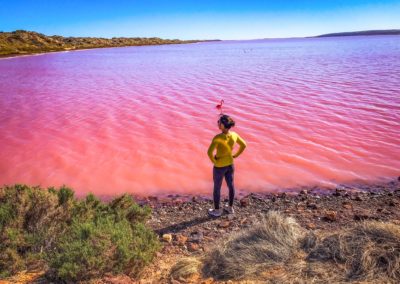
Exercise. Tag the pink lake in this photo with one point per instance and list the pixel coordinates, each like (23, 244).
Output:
(321, 111)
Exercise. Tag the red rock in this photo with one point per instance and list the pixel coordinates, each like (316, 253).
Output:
(244, 202)
(180, 239)
(193, 247)
(330, 215)
(224, 224)
(347, 205)
(208, 281)
(310, 226)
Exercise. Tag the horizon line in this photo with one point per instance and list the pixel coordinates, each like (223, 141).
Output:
(266, 38)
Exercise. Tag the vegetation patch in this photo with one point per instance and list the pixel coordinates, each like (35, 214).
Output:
(72, 239)
(277, 250)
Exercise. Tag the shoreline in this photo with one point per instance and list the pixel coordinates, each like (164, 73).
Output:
(185, 229)
(14, 55)
(240, 193)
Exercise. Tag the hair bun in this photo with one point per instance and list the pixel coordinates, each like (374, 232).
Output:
(227, 121)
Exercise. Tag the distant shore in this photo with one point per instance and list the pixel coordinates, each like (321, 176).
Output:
(22, 42)
(362, 33)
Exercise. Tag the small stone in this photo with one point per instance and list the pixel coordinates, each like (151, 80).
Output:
(357, 198)
(167, 238)
(193, 247)
(310, 226)
(244, 202)
(208, 281)
(181, 239)
(194, 199)
(224, 224)
(330, 215)
(347, 205)
(196, 237)
(312, 206)
(303, 192)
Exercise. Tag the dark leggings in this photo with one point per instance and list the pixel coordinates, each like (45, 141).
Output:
(218, 176)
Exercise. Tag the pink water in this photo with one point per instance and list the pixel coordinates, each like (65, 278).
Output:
(140, 119)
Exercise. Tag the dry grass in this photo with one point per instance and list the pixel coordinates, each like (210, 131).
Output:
(273, 241)
(278, 250)
(186, 268)
(369, 251)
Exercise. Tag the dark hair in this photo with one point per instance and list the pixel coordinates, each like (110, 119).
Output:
(227, 121)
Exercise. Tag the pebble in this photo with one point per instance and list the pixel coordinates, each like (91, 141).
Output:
(196, 236)
(330, 215)
(310, 226)
(193, 247)
(180, 239)
(244, 202)
(312, 206)
(224, 224)
(167, 238)
(347, 205)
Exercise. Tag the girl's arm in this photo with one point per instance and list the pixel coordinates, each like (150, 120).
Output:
(211, 150)
(242, 145)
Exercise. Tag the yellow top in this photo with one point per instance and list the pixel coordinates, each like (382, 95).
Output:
(224, 144)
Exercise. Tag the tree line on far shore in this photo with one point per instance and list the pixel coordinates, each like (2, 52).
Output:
(27, 42)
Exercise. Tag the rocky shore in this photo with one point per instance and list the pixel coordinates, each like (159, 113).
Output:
(186, 230)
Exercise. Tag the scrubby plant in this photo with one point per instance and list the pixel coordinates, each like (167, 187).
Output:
(272, 241)
(369, 251)
(74, 239)
(277, 250)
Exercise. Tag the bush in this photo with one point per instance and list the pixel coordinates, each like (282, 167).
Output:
(74, 239)
(279, 251)
(249, 252)
(370, 251)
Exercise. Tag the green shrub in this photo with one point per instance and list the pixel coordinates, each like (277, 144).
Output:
(75, 239)
(93, 248)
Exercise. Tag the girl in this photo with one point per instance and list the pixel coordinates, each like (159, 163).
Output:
(223, 162)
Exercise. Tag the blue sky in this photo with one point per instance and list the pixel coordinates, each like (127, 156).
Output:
(201, 19)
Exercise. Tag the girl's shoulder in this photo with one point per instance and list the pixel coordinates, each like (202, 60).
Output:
(234, 133)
